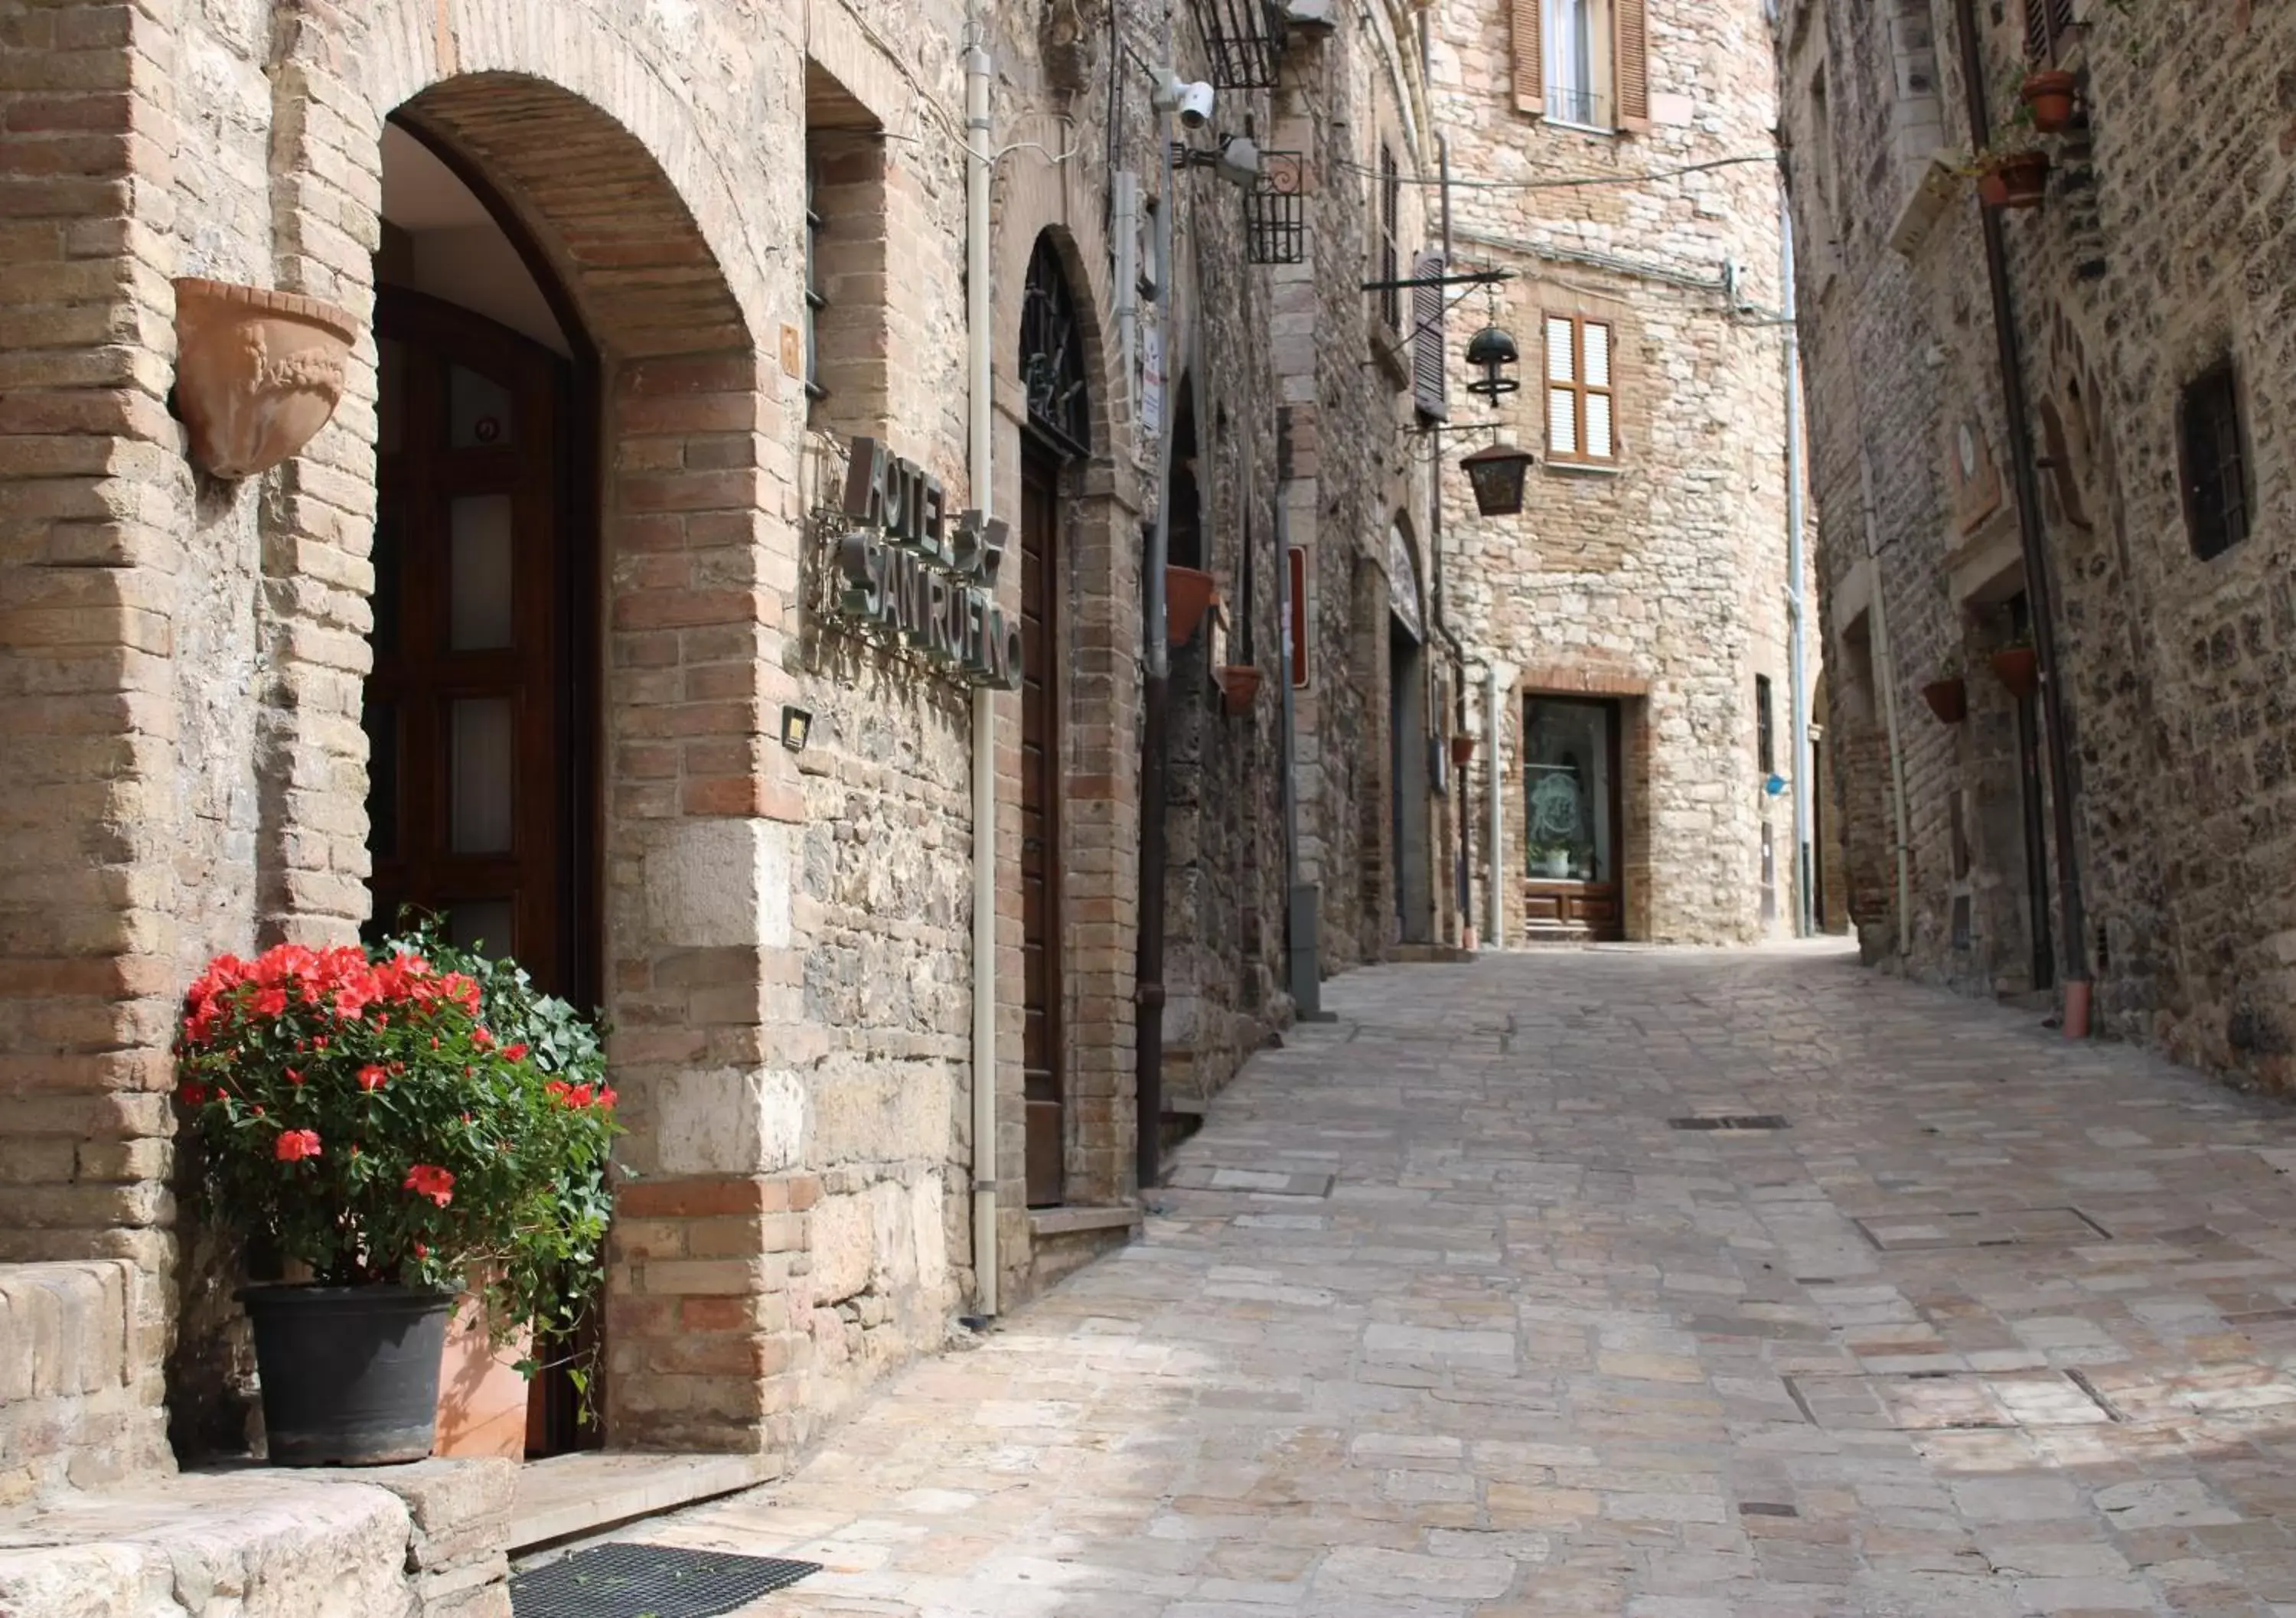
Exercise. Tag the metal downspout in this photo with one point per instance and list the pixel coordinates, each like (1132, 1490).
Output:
(1797, 606)
(979, 420)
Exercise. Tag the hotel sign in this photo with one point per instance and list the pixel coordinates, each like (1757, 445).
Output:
(906, 570)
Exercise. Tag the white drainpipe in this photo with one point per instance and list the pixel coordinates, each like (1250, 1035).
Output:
(978, 323)
(1497, 932)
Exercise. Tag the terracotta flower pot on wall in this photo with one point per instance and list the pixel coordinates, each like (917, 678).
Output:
(1948, 699)
(2052, 93)
(1240, 685)
(2020, 180)
(1188, 594)
(2019, 668)
(257, 372)
(1463, 749)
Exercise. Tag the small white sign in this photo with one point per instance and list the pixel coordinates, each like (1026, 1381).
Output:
(1151, 381)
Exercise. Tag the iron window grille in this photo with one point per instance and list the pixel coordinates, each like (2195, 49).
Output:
(1052, 354)
(1275, 210)
(1244, 39)
(1766, 747)
(2215, 462)
(815, 299)
(1570, 104)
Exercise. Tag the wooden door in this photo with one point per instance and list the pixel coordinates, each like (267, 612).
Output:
(1040, 826)
(478, 713)
(1571, 883)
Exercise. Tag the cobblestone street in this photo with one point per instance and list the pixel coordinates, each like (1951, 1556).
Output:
(1444, 1314)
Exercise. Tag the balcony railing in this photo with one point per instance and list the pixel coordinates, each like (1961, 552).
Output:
(1570, 104)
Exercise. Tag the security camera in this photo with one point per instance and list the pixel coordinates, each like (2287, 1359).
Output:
(1191, 101)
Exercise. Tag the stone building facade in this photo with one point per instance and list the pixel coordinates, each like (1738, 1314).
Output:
(653, 271)
(2147, 317)
(1630, 628)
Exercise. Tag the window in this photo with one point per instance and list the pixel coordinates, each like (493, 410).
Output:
(2047, 24)
(1391, 220)
(1580, 425)
(1766, 746)
(815, 300)
(2215, 462)
(1584, 62)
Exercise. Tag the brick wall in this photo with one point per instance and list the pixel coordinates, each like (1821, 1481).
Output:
(1664, 576)
(2159, 251)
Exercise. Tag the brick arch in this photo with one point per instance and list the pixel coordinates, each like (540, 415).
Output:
(614, 179)
(621, 237)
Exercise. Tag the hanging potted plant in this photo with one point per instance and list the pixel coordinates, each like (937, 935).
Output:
(1240, 686)
(1948, 695)
(1188, 594)
(2049, 95)
(2015, 175)
(2018, 665)
(394, 1123)
(1463, 750)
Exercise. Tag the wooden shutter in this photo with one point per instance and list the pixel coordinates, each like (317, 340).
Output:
(2045, 23)
(1630, 62)
(1427, 338)
(1529, 58)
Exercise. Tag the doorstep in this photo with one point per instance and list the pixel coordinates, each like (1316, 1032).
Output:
(570, 1495)
(1073, 1221)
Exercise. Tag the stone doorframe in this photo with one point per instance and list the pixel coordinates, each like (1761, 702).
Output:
(699, 565)
(1099, 767)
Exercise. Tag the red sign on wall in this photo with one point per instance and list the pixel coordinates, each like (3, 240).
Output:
(1295, 614)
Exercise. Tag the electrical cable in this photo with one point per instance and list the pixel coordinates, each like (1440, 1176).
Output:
(1572, 181)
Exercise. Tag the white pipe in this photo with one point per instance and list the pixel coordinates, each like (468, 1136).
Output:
(1496, 856)
(978, 424)
(1797, 608)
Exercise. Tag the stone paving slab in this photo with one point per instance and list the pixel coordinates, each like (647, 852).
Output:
(1998, 1325)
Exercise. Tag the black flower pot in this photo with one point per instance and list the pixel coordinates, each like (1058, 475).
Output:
(350, 1374)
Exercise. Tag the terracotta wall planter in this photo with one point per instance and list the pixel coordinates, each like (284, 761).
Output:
(257, 372)
(1188, 595)
(2052, 93)
(2018, 668)
(1240, 685)
(1463, 750)
(1948, 699)
(2021, 180)
(482, 1397)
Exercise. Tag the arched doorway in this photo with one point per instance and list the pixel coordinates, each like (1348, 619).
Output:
(481, 710)
(1058, 429)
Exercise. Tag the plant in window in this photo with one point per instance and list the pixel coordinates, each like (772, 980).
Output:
(399, 1124)
(1947, 694)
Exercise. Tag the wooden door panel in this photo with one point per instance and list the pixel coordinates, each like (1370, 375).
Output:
(1040, 753)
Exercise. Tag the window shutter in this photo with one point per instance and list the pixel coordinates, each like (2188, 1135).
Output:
(1529, 58)
(1427, 338)
(1630, 57)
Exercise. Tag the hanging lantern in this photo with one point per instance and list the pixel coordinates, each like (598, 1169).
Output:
(1492, 351)
(1497, 475)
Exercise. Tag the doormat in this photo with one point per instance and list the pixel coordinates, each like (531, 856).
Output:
(623, 1580)
(1732, 1120)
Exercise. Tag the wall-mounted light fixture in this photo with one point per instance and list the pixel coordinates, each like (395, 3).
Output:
(797, 726)
(1492, 351)
(1496, 476)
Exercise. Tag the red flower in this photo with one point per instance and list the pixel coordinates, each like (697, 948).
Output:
(271, 1002)
(558, 1090)
(421, 1252)
(372, 1078)
(192, 1094)
(296, 1145)
(578, 1097)
(606, 1097)
(428, 1179)
(294, 1075)
(482, 1037)
(514, 1052)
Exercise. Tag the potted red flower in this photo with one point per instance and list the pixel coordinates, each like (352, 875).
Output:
(393, 1121)
(2050, 92)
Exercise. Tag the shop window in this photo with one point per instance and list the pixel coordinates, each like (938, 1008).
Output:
(1581, 414)
(1583, 62)
(2215, 463)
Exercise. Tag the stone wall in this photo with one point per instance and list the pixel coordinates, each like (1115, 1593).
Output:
(1660, 580)
(2163, 247)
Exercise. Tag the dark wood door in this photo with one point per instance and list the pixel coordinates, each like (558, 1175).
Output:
(1040, 828)
(480, 774)
(1571, 885)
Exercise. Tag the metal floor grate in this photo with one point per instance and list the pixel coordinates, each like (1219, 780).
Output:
(622, 1580)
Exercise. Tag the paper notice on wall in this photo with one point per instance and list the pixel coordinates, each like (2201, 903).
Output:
(1151, 381)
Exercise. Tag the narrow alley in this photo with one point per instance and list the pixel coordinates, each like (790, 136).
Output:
(1446, 1312)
